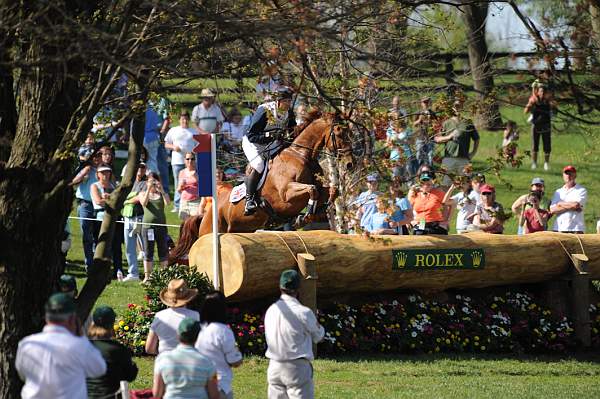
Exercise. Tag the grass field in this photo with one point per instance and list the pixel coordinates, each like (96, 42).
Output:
(435, 376)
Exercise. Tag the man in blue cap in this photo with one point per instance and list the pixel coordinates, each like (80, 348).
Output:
(270, 131)
(290, 330)
(367, 200)
(55, 363)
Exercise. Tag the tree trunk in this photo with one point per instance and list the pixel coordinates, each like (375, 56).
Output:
(34, 205)
(347, 264)
(488, 113)
(595, 19)
(100, 272)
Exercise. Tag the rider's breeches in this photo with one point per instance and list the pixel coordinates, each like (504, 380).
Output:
(256, 153)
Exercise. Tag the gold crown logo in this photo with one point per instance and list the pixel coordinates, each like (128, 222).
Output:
(476, 256)
(401, 258)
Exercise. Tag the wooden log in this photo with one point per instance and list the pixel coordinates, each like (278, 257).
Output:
(252, 263)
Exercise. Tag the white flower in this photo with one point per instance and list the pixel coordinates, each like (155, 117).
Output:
(466, 310)
(414, 334)
(412, 298)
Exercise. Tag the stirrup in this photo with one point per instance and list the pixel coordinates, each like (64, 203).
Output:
(250, 206)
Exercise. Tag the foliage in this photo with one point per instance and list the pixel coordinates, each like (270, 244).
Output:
(132, 329)
(160, 277)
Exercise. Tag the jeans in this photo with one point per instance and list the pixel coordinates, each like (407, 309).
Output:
(163, 167)
(86, 210)
(132, 237)
(176, 169)
(424, 151)
(152, 161)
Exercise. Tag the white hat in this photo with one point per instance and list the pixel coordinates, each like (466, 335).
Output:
(206, 93)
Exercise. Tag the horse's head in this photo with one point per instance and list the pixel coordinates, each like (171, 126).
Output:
(339, 142)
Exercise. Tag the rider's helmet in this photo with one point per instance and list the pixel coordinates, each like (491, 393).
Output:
(283, 93)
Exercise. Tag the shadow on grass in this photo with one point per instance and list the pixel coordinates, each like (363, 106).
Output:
(78, 271)
(587, 356)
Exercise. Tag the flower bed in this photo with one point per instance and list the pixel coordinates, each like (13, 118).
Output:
(513, 322)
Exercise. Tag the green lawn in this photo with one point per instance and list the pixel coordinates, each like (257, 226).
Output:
(428, 377)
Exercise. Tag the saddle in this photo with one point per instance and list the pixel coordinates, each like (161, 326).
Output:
(238, 193)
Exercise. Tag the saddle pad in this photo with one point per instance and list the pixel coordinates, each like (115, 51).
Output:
(239, 192)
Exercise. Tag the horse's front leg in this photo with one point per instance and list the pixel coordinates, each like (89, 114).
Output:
(295, 190)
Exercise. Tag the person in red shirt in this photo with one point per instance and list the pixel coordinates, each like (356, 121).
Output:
(535, 218)
(427, 204)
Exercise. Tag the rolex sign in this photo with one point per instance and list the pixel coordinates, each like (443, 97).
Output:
(437, 259)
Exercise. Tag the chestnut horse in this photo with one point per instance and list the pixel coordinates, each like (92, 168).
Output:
(291, 180)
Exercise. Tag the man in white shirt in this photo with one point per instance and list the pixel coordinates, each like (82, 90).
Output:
(55, 363)
(568, 203)
(290, 331)
(207, 116)
(180, 140)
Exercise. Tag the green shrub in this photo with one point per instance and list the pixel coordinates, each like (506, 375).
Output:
(160, 277)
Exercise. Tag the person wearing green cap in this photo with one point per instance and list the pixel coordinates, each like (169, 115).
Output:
(56, 362)
(119, 364)
(290, 330)
(183, 372)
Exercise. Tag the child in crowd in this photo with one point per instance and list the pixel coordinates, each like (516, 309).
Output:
(87, 149)
(399, 140)
(535, 218)
(381, 222)
(511, 136)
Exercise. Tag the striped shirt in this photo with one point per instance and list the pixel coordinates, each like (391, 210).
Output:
(185, 372)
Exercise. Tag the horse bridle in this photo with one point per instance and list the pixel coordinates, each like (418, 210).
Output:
(338, 151)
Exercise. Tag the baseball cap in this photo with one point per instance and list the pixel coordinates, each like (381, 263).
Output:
(487, 188)
(289, 280)
(60, 304)
(373, 177)
(104, 168)
(188, 329)
(104, 316)
(569, 168)
(426, 176)
(67, 283)
(537, 180)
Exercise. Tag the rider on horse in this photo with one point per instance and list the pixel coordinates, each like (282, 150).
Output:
(269, 132)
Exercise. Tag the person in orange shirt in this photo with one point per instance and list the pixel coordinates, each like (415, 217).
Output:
(206, 202)
(428, 207)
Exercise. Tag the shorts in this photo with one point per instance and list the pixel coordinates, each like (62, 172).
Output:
(188, 208)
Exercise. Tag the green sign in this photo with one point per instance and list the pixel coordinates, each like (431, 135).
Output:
(437, 259)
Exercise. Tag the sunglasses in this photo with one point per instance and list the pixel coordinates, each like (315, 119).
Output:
(190, 159)
(487, 193)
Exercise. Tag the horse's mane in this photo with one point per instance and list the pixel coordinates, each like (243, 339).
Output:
(187, 237)
(312, 116)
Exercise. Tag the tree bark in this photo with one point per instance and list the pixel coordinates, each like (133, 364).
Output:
(488, 113)
(252, 263)
(34, 205)
(595, 19)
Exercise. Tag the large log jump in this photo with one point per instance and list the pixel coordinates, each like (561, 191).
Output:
(251, 263)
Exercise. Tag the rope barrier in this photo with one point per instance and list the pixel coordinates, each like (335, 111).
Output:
(123, 222)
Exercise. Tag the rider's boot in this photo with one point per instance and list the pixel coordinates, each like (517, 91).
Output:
(251, 186)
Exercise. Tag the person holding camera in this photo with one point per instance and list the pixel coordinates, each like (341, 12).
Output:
(428, 205)
(465, 201)
(423, 125)
(154, 200)
(535, 218)
(520, 205)
(489, 214)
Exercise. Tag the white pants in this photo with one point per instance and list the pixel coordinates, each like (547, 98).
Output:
(256, 153)
(290, 380)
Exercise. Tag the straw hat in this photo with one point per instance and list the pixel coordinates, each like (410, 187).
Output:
(177, 294)
(206, 93)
